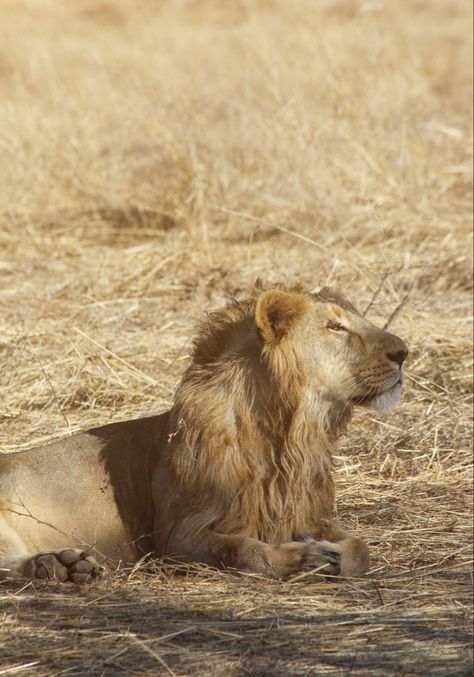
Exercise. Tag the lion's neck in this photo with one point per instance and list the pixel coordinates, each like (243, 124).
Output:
(262, 461)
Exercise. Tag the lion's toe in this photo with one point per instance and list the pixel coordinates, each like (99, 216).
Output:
(49, 567)
(72, 565)
(70, 556)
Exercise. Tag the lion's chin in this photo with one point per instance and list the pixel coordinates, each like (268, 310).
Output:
(386, 400)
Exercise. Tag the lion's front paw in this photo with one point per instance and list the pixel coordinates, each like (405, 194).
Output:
(73, 565)
(349, 557)
(320, 556)
(291, 558)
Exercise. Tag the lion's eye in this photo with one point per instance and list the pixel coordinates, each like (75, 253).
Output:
(335, 326)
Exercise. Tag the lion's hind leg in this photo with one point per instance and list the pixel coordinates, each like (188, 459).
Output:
(72, 564)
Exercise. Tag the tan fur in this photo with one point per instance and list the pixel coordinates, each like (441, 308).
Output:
(238, 472)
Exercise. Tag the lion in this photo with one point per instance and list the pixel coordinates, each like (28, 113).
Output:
(237, 474)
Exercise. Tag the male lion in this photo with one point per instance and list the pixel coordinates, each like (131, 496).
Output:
(236, 474)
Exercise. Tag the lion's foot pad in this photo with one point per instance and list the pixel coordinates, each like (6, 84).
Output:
(72, 565)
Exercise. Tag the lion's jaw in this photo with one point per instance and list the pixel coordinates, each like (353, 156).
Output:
(387, 399)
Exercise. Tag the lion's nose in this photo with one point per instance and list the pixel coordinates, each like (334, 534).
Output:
(398, 356)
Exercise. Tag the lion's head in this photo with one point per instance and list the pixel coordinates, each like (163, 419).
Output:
(271, 385)
(344, 356)
(302, 344)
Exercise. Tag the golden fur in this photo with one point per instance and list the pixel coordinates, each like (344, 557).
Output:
(238, 472)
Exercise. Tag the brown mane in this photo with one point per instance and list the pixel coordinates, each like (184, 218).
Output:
(246, 433)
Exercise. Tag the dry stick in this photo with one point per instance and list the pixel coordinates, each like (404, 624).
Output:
(299, 236)
(49, 383)
(18, 668)
(395, 312)
(376, 293)
(136, 372)
(295, 234)
(170, 635)
(28, 513)
(155, 655)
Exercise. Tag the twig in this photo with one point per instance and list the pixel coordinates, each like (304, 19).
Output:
(134, 370)
(154, 654)
(30, 347)
(17, 668)
(29, 514)
(395, 312)
(376, 293)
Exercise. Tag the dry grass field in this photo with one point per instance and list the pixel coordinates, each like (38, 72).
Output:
(156, 157)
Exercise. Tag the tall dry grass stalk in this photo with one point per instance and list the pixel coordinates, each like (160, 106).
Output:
(155, 158)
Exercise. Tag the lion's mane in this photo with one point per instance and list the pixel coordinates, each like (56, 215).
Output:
(248, 433)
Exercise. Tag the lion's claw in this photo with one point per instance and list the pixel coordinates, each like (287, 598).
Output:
(332, 557)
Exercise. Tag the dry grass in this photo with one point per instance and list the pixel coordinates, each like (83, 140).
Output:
(155, 158)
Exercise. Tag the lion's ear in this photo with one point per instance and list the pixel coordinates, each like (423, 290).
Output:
(276, 313)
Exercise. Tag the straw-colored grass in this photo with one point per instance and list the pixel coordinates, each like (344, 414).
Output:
(155, 158)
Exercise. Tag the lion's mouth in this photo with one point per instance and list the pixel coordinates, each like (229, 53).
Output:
(362, 400)
(381, 399)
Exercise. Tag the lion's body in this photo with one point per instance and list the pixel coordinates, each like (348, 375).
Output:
(91, 489)
(237, 473)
